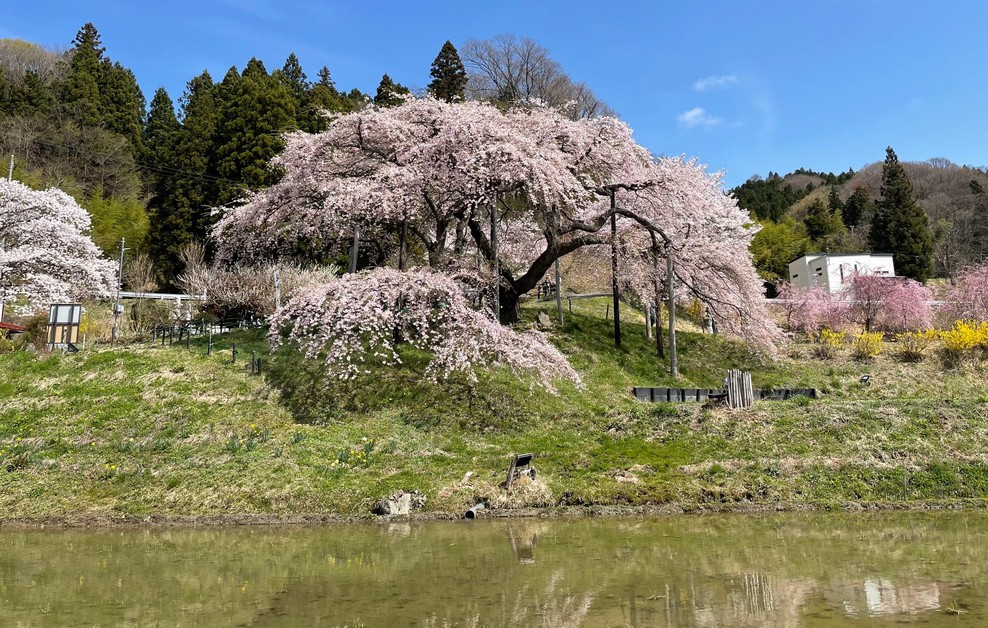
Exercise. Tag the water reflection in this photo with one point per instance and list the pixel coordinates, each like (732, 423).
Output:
(808, 570)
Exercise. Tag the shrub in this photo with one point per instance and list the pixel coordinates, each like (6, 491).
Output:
(912, 344)
(961, 341)
(146, 314)
(6, 344)
(868, 345)
(828, 341)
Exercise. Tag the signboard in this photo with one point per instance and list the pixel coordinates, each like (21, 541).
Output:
(63, 324)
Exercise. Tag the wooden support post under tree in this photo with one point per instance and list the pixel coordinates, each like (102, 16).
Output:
(404, 239)
(354, 249)
(614, 270)
(497, 264)
(670, 290)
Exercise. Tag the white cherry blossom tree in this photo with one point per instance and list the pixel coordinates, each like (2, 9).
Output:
(46, 254)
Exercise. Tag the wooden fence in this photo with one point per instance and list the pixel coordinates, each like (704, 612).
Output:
(680, 395)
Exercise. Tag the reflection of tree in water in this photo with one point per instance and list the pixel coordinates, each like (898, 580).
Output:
(691, 571)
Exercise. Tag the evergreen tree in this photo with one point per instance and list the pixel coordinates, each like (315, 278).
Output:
(169, 220)
(196, 149)
(859, 208)
(901, 227)
(30, 98)
(80, 91)
(254, 109)
(822, 223)
(389, 93)
(449, 77)
(834, 203)
(121, 103)
(326, 80)
(293, 76)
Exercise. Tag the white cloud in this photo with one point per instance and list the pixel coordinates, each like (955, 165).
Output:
(698, 117)
(715, 82)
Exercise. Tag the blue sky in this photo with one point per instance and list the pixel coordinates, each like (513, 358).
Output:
(747, 86)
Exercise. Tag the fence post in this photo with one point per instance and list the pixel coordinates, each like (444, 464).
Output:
(253, 361)
(209, 342)
(234, 354)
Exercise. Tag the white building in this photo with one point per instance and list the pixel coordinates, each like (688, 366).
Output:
(831, 272)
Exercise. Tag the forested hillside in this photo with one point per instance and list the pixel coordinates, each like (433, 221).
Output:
(806, 211)
(78, 120)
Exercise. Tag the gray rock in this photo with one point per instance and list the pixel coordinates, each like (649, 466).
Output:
(400, 503)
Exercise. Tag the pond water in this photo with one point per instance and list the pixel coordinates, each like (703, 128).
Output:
(923, 569)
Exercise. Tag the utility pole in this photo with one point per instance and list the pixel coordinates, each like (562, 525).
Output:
(614, 270)
(117, 308)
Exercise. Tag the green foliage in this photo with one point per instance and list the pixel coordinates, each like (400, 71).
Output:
(389, 93)
(858, 209)
(822, 223)
(777, 244)
(767, 199)
(80, 91)
(449, 77)
(252, 109)
(901, 227)
(115, 218)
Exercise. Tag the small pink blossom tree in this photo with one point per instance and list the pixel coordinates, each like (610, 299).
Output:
(968, 299)
(889, 304)
(811, 310)
(46, 254)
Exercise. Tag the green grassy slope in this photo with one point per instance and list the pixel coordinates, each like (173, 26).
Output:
(151, 430)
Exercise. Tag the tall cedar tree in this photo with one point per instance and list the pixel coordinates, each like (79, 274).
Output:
(168, 231)
(858, 208)
(834, 203)
(181, 207)
(449, 77)
(122, 103)
(254, 108)
(389, 93)
(901, 227)
(80, 91)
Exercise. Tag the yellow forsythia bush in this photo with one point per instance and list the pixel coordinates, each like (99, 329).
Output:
(912, 344)
(828, 341)
(867, 345)
(962, 339)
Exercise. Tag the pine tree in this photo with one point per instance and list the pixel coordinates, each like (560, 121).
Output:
(449, 77)
(325, 79)
(858, 209)
(834, 203)
(821, 222)
(901, 227)
(389, 93)
(80, 91)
